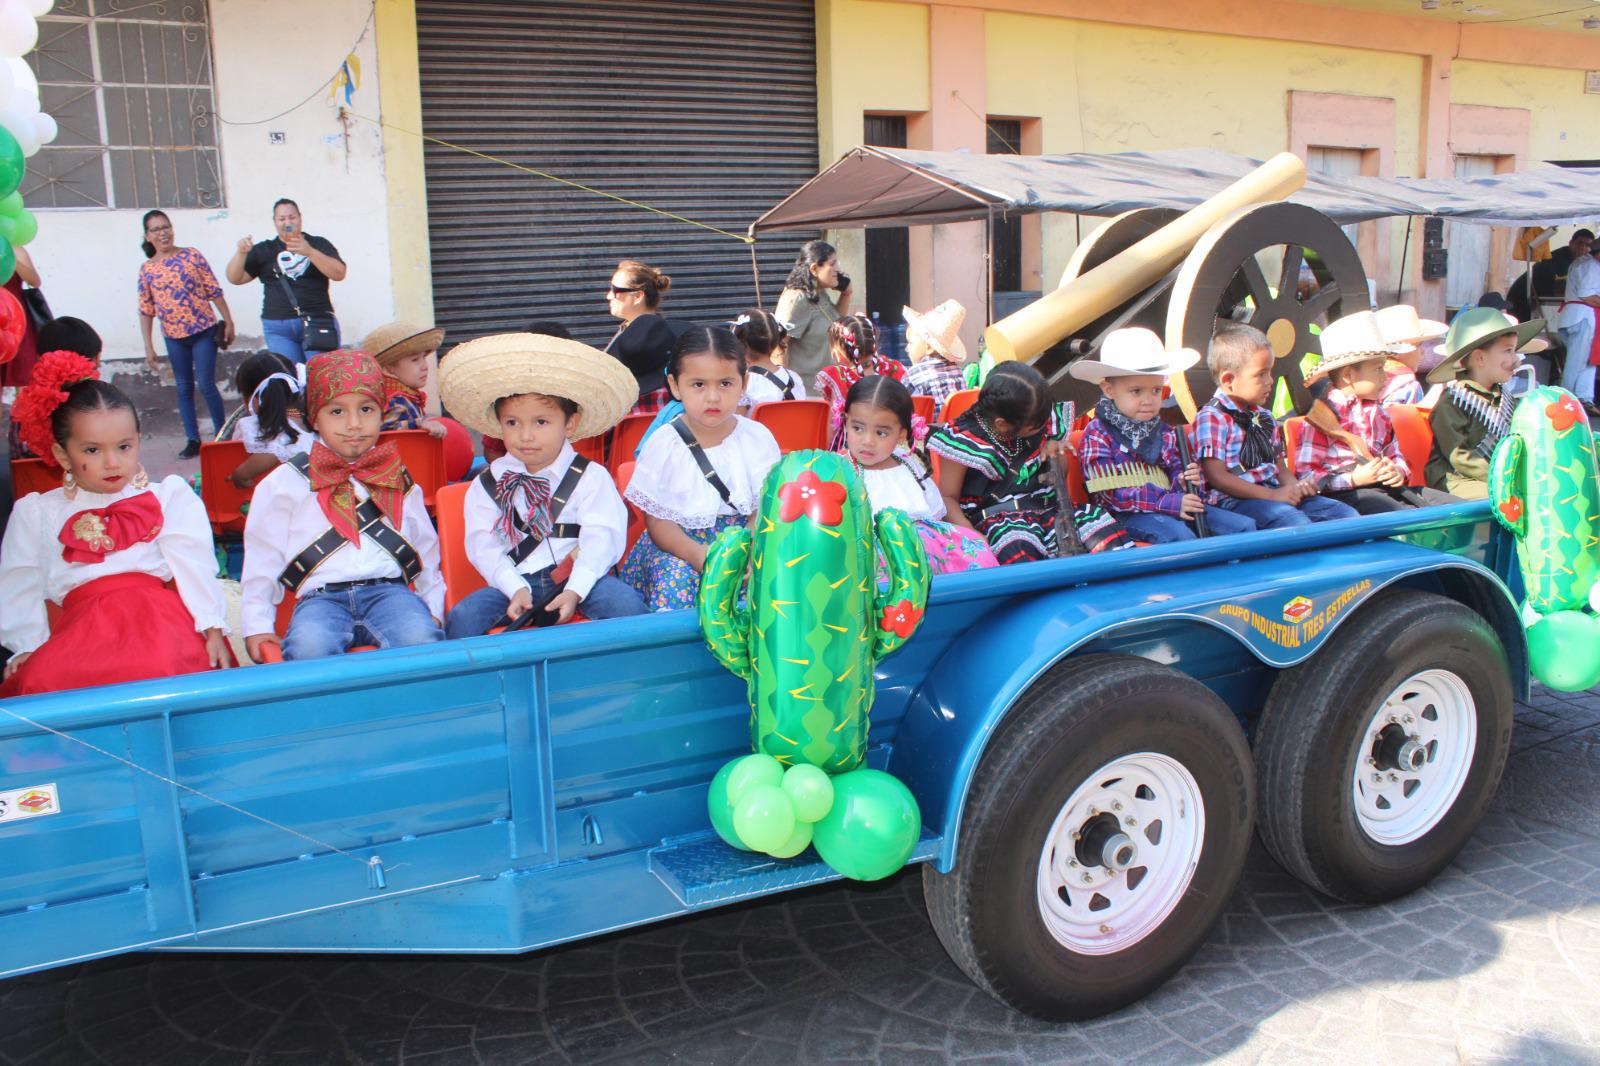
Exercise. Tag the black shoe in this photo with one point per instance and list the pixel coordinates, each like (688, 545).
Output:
(190, 450)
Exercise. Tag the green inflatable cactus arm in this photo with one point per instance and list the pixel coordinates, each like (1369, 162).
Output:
(899, 606)
(1508, 472)
(723, 620)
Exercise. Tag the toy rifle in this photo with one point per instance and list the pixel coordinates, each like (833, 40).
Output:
(1185, 457)
(1068, 543)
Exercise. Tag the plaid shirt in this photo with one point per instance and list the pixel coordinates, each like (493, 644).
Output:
(1100, 454)
(935, 377)
(1402, 386)
(1217, 437)
(1318, 453)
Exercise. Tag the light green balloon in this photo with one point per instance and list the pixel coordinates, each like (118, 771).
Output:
(798, 841)
(11, 205)
(8, 261)
(26, 227)
(764, 817)
(1564, 650)
(12, 165)
(720, 809)
(872, 828)
(812, 792)
(8, 228)
(750, 771)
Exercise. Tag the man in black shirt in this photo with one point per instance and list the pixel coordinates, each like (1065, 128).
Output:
(303, 263)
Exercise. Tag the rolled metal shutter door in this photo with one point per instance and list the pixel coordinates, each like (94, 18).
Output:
(706, 109)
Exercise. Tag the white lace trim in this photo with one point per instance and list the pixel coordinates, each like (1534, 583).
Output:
(655, 509)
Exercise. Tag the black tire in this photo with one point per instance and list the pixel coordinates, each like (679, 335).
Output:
(1075, 720)
(1309, 741)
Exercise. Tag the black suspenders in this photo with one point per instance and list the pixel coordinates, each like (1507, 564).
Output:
(786, 385)
(558, 501)
(702, 460)
(371, 523)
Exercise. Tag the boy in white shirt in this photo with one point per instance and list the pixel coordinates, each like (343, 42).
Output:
(544, 525)
(344, 528)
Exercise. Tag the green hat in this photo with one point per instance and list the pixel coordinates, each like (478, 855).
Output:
(1474, 328)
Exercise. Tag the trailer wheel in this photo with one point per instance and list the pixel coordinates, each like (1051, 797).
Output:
(1377, 757)
(1105, 830)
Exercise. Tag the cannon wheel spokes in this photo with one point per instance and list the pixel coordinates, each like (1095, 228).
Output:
(1222, 277)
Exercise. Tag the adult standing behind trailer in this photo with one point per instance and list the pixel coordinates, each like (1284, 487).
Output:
(808, 310)
(1576, 324)
(294, 268)
(643, 343)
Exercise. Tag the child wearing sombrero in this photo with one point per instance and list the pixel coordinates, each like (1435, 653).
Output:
(403, 350)
(1481, 352)
(938, 356)
(544, 525)
(1407, 335)
(343, 528)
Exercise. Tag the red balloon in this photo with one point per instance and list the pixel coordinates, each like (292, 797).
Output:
(13, 324)
(458, 451)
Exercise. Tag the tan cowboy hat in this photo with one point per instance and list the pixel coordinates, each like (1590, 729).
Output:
(941, 327)
(393, 341)
(1350, 340)
(488, 369)
(1131, 352)
(1401, 325)
(1475, 328)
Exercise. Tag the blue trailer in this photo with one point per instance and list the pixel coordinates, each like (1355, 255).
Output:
(1091, 741)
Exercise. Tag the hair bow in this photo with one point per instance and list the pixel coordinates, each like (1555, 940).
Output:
(919, 430)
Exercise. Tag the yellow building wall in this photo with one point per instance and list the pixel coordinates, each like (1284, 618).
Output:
(1562, 118)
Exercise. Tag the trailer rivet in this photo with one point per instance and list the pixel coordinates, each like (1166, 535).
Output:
(1088, 878)
(1117, 806)
(1105, 928)
(1130, 821)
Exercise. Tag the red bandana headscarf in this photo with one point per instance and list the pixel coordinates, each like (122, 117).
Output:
(379, 469)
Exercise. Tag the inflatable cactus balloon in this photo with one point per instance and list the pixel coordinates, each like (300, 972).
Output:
(797, 609)
(1545, 490)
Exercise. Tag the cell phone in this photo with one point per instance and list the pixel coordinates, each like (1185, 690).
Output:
(844, 282)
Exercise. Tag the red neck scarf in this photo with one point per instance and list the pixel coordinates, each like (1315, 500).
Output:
(379, 469)
(89, 536)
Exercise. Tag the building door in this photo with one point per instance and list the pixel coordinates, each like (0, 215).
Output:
(705, 110)
(1467, 272)
(1005, 241)
(1336, 163)
(889, 248)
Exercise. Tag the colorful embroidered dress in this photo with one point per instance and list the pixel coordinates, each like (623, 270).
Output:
(178, 289)
(1005, 493)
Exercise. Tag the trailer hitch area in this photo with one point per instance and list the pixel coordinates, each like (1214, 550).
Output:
(1396, 750)
(1101, 842)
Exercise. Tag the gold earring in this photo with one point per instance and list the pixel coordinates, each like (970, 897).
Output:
(69, 485)
(141, 480)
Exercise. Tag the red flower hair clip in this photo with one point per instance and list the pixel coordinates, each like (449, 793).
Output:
(37, 401)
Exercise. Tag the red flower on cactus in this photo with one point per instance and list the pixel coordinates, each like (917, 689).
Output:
(810, 495)
(1512, 508)
(900, 619)
(1565, 413)
(38, 400)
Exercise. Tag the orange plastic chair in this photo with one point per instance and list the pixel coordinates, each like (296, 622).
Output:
(461, 578)
(924, 407)
(1076, 487)
(223, 499)
(33, 475)
(798, 424)
(635, 516)
(957, 404)
(592, 448)
(1293, 430)
(423, 455)
(1415, 434)
(625, 439)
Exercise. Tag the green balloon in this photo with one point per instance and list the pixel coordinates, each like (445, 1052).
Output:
(26, 227)
(11, 163)
(872, 828)
(8, 228)
(8, 261)
(812, 792)
(764, 817)
(11, 205)
(720, 809)
(798, 841)
(1564, 650)
(750, 771)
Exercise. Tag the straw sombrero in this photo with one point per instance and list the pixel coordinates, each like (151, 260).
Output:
(1402, 325)
(942, 329)
(1351, 340)
(393, 341)
(481, 371)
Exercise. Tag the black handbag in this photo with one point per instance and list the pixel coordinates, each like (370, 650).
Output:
(321, 331)
(37, 308)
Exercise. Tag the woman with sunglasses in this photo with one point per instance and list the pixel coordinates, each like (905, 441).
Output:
(644, 340)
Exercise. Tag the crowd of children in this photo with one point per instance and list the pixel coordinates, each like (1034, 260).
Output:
(337, 527)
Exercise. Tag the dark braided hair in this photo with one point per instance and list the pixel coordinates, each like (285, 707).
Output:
(90, 394)
(880, 390)
(855, 336)
(706, 340)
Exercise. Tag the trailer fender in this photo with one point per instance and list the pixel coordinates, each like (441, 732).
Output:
(1280, 617)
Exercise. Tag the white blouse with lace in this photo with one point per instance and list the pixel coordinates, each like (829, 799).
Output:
(248, 433)
(899, 487)
(668, 484)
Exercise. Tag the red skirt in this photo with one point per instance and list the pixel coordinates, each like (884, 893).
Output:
(125, 627)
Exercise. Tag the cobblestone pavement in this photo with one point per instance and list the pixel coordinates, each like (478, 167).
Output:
(1497, 960)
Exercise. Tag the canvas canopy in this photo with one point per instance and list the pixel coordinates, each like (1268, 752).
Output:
(874, 187)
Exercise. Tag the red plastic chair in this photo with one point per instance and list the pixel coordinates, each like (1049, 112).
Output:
(223, 499)
(1077, 489)
(592, 448)
(1415, 434)
(423, 455)
(635, 516)
(1294, 429)
(958, 404)
(924, 407)
(33, 475)
(798, 424)
(625, 439)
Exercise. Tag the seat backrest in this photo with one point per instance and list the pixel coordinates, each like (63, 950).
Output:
(423, 455)
(1293, 430)
(958, 404)
(1076, 488)
(223, 499)
(33, 475)
(625, 438)
(635, 516)
(924, 407)
(461, 578)
(797, 424)
(592, 448)
(1415, 434)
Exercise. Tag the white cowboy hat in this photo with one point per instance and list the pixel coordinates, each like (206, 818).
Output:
(941, 328)
(1350, 340)
(1400, 325)
(1131, 352)
(480, 372)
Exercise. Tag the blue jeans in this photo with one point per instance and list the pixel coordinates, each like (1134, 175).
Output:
(1577, 376)
(1270, 514)
(287, 337)
(610, 598)
(330, 623)
(195, 358)
(1153, 528)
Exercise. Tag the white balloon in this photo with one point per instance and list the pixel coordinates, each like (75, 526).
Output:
(7, 85)
(18, 32)
(22, 78)
(21, 126)
(39, 8)
(45, 128)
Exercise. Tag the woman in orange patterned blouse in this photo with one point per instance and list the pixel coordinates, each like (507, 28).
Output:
(177, 286)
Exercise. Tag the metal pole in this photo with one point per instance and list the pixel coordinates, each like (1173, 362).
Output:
(755, 268)
(988, 264)
(1405, 247)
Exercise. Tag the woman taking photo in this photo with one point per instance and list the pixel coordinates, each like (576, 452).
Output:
(805, 306)
(644, 340)
(177, 286)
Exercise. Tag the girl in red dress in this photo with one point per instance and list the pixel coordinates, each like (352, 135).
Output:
(106, 546)
(854, 343)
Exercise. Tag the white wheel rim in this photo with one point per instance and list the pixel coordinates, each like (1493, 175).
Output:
(1094, 910)
(1397, 805)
